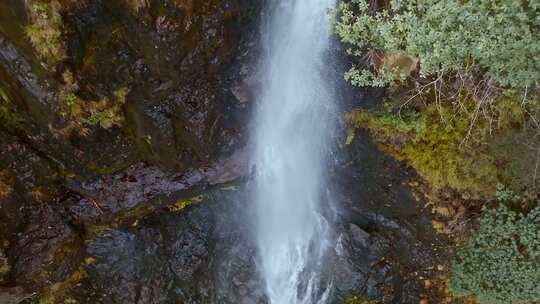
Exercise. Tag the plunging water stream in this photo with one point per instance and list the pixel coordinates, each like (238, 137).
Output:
(293, 122)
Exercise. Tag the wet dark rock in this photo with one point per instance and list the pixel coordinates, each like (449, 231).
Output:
(176, 58)
(359, 236)
(130, 267)
(228, 169)
(30, 169)
(46, 251)
(28, 115)
(197, 256)
(4, 266)
(32, 232)
(38, 247)
(386, 241)
(365, 266)
(245, 90)
(101, 198)
(16, 65)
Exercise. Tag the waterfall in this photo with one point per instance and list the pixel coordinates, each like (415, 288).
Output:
(292, 126)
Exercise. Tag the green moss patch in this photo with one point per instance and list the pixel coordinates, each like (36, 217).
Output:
(450, 149)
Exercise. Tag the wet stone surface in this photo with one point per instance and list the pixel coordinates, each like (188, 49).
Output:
(199, 255)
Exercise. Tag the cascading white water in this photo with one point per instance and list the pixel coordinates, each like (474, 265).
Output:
(291, 134)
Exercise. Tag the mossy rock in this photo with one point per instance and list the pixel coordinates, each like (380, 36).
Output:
(447, 150)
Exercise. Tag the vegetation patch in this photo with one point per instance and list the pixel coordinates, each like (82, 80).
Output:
(500, 39)
(82, 114)
(501, 263)
(183, 203)
(45, 31)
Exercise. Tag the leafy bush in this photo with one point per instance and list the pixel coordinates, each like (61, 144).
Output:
(506, 195)
(501, 264)
(447, 36)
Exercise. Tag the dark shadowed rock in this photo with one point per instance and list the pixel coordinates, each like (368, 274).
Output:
(245, 89)
(5, 267)
(360, 237)
(129, 268)
(13, 295)
(16, 65)
(46, 250)
(201, 255)
(104, 197)
(386, 238)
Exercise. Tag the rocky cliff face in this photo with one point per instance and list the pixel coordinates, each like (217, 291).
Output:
(159, 71)
(122, 165)
(66, 128)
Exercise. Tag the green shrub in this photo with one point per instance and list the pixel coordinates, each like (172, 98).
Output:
(501, 264)
(506, 195)
(447, 36)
